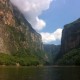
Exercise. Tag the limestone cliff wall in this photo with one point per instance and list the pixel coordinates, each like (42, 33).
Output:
(15, 31)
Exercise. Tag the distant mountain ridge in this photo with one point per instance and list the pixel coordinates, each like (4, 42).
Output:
(51, 51)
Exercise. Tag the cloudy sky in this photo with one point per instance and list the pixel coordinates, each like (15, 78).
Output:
(49, 16)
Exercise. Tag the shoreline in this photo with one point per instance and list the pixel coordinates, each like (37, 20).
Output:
(54, 66)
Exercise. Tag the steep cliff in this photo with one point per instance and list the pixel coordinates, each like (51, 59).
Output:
(19, 42)
(70, 36)
(70, 44)
(15, 32)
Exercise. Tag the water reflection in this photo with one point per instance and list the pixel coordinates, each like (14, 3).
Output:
(36, 73)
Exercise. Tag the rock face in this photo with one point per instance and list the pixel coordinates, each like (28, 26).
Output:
(70, 37)
(15, 31)
(52, 51)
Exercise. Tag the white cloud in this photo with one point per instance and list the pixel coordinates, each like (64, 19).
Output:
(50, 37)
(32, 9)
(40, 24)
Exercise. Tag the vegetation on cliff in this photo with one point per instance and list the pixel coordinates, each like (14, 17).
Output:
(23, 58)
(71, 58)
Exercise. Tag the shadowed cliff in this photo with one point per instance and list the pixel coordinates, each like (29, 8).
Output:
(70, 44)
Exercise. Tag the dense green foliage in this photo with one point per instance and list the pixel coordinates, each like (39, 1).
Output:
(24, 58)
(71, 58)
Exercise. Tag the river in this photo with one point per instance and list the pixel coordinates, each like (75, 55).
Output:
(40, 73)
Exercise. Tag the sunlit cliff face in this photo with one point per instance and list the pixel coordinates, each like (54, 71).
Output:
(6, 16)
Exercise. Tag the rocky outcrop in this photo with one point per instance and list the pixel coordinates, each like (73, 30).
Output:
(70, 37)
(15, 31)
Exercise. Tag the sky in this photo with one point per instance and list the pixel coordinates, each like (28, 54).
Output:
(61, 12)
(48, 17)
